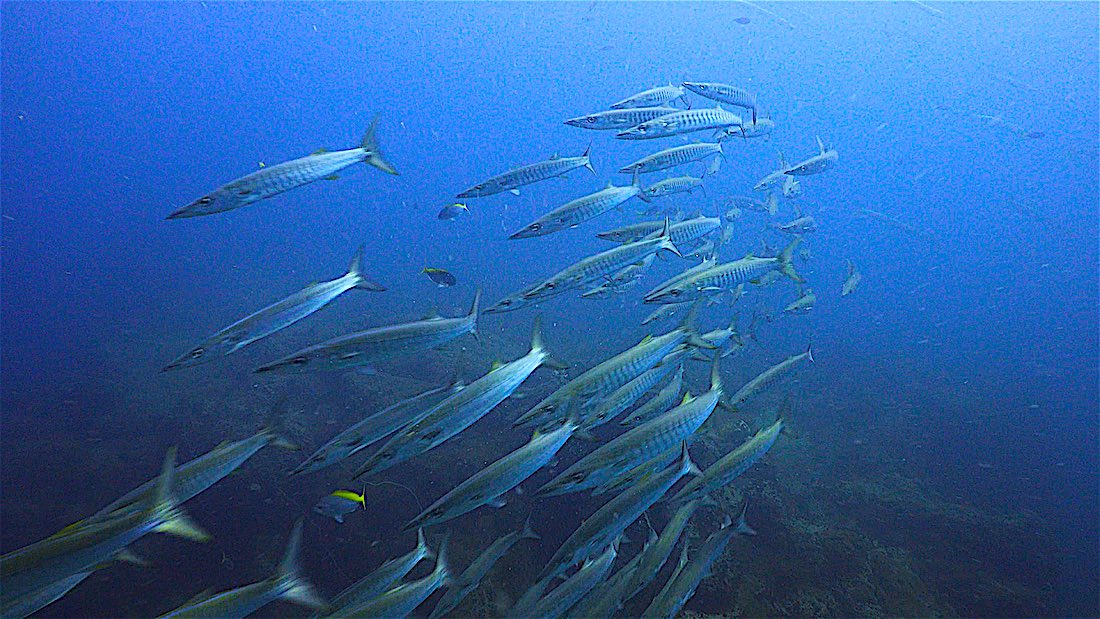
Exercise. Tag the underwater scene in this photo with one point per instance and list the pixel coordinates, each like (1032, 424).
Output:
(570, 309)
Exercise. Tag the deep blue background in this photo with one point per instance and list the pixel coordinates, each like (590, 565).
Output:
(116, 114)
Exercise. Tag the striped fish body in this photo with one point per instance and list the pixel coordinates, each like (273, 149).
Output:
(724, 93)
(621, 481)
(665, 399)
(598, 530)
(619, 119)
(652, 97)
(673, 157)
(564, 596)
(375, 427)
(271, 181)
(767, 378)
(626, 395)
(669, 186)
(382, 579)
(31, 603)
(378, 344)
(526, 175)
(235, 603)
(684, 121)
(814, 165)
(472, 576)
(401, 600)
(604, 378)
(606, 599)
(454, 414)
(707, 283)
(595, 268)
(485, 486)
(683, 583)
(771, 180)
(635, 446)
(760, 127)
(682, 233)
(575, 212)
(622, 280)
(730, 466)
(656, 555)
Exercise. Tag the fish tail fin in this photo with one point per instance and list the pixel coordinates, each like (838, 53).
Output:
(422, 545)
(785, 265)
(588, 164)
(475, 310)
(441, 570)
(742, 527)
(355, 269)
(715, 374)
(300, 591)
(810, 352)
(537, 344)
(685, 461)
(373, 154)
(688, 325)
(275, 426)
(527, 532)
(773, 203)
(666, 239)
(165, 505)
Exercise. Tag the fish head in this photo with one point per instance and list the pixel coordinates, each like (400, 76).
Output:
(208, 350)
(638, 132)
(222, 199)
(299, 362)
(589, 121)
(533, 229)
(674, 293)
(565, 484)
(699, 88)
(507, 304)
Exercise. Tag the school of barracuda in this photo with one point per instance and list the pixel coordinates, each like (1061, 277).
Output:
(636, 462)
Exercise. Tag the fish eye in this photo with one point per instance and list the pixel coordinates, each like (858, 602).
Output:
(590, 119)
(675, 292)
(205, 200)
(317, 458)
(198, 352)
(299, 361)
(578, 476)
(536, 226)
(551, 285)
(387, 456)
(702, 86)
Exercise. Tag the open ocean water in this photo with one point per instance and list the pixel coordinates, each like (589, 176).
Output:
(942, 458)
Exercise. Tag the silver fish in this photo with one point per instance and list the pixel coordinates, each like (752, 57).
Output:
(724, 93)
(672, 157)
(401, 600)
(652, 97)
(379, 344)
(565, 595)
(376, 427)
(286, 584)
(619, 119)
(851, 281)
(601, 528)
(30, 570)
(512, 180)
(622, 280)
(665, 399)
(621, 481)
(746, 203)
(272, 180)
(769, 376)
(575, 212)
(684, 121)
(669, 186)
(682, 233)
(487, 486)
(730, 466)
(638, 444)
(683, 583)
(816, 164)
(723, 277)
(458, 411)
(607, 599)
(623, 397)
(803, 304)
(653, 558)
(382, 579)
(775, 177)
(760, 127)
(472, 576)
(277, 316)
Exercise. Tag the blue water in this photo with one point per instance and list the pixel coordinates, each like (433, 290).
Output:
(966, 362)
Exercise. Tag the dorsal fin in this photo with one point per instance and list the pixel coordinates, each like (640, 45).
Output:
(319, 151)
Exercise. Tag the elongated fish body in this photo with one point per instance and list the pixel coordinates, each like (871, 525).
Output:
(275, 179)
(664, 312)
(37, 600)
(472, 576)
(596, 267)
(606, 599)
(685, 580)
(623, 280)
(669, 186)
(747, 203)
(758, 128)
(665, 399)
(851, 282)
(724, 93)
(609, 522)
(488, 485)
(816, 164)
(672, 157)
(458, 411)
(638, 444)
(621, 481)
(684, 121)
(682, 233)
(30, 570)
(803, 304)
(619, 119)
(650, 98)
(576, 212)
(654, 557)
(195, 476)
(525, 175)
(382, 579)
(374, 428)
(769, 377)
(605, 377)
(730, 466)
(564, 596)
(801, 225)
(723, 277)
(277, 316)
(403, 599)
(378, 344)
(626, 395)
(522, 607)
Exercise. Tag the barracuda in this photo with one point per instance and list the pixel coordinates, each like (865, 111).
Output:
(769, 377)
(619, 119)
(730, 466)
(512, 180)
(576, 212)
(683, 121)
(469, 580)
(382, 579)
(723, 277)
(672, 157)
(649, 98)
